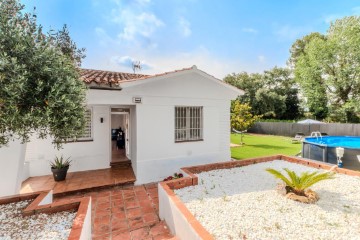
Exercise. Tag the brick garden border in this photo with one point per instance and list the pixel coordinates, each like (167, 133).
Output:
(39, 205)
(191, 179)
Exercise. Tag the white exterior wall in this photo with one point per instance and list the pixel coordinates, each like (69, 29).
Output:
(84, 155)
(158, 156)
(154, 153)
(12, 162)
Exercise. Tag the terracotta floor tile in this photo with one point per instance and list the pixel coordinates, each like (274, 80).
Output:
(116, 196)
(163, 236)
(101, 229)
(139, 188)
(149, 209)
(150, 218)
(121, 236)
(102, 199)
(140, 233)
(119, 225)
(159, 228)
(131, 204)
(136, 223)
(134, 217)
(79, 180)
(117, 202)
(115, 209)
(102, 220)
(118, 216)
(101, 213)
(134, 212)
(102, 237)
(145, 203)
(104, 205)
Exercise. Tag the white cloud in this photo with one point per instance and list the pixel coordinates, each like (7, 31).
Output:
(185, 27)
(288, 32)
(143, 2)
(154, 63)
(134, 25)
(250, 30)
(104, 38)
(136, 22)
(127, 61)
(331, 18)
(261, 58)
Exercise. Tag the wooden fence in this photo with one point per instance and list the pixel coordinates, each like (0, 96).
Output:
(290, 129)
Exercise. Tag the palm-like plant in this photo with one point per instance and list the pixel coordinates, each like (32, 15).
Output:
(299, 183)
(60, 162)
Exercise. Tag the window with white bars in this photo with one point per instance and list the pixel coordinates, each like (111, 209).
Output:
(188, 124)
(87, 135)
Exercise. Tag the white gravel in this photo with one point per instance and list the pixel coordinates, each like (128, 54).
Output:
(242, 203)
(40, 226)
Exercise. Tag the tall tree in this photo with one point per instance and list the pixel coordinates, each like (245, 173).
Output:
(329, 71)
(40, 91)
(298, 47)
(272, 94)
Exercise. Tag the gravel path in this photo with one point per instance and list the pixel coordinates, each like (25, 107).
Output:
(242, 203)
(40, 226)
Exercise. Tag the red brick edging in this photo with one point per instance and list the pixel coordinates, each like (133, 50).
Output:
(80, 205)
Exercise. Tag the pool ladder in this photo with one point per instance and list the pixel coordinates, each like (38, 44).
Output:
(317, 135)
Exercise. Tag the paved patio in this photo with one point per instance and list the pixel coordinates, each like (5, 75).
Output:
(126, 213)
(80, 181)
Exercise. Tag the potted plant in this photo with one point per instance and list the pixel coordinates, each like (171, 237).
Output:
(59, 168)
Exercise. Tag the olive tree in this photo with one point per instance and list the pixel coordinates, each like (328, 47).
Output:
(40, 90)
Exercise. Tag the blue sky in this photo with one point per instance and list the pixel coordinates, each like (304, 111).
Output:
(219, 36)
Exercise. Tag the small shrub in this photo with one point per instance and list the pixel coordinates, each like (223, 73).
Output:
(299, 183)
(176, 176)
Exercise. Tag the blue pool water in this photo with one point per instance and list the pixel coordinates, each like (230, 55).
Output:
(336, 141)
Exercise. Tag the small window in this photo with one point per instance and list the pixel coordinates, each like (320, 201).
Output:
(188, 124)
(87, 135)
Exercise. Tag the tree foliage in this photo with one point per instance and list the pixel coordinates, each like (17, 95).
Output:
(272, 94)
(241, 118)
(40, 91)
(328, 71)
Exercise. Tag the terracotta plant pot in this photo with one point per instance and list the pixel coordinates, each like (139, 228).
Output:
(59, 173)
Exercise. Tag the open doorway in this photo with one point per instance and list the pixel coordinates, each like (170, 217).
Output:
(120, 135)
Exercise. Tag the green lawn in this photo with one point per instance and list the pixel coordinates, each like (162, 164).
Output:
(263, 145)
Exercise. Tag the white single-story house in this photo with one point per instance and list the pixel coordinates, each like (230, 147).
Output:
(168, 121)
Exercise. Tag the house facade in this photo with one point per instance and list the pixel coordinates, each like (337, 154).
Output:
(160, 123)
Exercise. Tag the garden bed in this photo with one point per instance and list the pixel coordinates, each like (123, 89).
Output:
(242, 203)
(36, 216)
(13, 225)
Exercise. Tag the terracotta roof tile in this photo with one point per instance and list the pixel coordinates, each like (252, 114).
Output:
(107, 77)
(157, 75)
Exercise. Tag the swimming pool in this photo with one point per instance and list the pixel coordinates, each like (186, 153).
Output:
(324, 149)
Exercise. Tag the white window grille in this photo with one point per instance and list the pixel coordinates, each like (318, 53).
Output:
(188, 124)
(87, 135)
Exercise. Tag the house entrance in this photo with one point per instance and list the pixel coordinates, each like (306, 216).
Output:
(120, 135)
